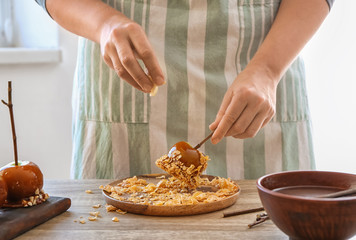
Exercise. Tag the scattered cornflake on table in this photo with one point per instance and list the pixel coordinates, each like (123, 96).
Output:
(95, 214)
(120, 211)
(101, 187)
(82, 221)
(115, 219)
(92, 218)
(96, 205)
(89, 191)
(110, 208)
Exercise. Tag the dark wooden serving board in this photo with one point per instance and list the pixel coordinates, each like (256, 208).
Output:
(15, 221)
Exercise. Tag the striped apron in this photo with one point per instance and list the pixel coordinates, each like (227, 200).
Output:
(202, 45)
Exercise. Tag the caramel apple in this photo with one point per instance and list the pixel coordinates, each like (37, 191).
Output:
(185, 163)
(3, 192)
(189, 155)
(22, 180)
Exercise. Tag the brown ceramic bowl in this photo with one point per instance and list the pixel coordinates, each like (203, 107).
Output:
(290, 200)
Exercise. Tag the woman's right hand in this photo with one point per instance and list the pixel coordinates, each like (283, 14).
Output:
(122, 42)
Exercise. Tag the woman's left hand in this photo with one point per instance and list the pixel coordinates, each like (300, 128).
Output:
(248, 105)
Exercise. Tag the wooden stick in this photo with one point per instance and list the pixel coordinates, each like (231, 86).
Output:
(259, 219)
(10, 106)
(343, 193)
(235, 213)
(202, 142)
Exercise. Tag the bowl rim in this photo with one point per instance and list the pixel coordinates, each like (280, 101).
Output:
(304, 198)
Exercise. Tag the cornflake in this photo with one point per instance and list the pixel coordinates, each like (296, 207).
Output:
(170, 192)
(110, 208)
(189, 175)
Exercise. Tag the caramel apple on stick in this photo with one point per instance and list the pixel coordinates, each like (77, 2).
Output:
(22, 178)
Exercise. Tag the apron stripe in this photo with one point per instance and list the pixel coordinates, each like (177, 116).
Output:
(290, 153)
(196, 80)
(96, 98)
(298, 91)
(110, 97)
(304, 112)
(263, 24)
(100, 88)
(104, 163)
(77, 153)
(241, 37)
(86, 70)
(303, 147)
(214, 65)
(310, 144)
(139, 146)
(273, 147)
(92, 108)
(283, 100)
(234, 147)
(116, 97)
(89, 150)
(176, 51)
(248, 35)
(158, 109)
(235, 159)
(254, 154)
(293, 98)
(252, 35)
(120, 150)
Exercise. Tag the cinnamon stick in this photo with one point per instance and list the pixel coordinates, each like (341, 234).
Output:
(235, 213)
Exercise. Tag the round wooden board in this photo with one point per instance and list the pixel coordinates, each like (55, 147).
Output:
(179, 210)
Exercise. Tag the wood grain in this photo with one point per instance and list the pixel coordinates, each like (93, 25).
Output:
(132, 226)
(14, 221)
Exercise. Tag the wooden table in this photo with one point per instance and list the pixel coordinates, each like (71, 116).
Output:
(131, 226)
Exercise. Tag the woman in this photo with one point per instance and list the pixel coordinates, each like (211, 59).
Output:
(229, 66)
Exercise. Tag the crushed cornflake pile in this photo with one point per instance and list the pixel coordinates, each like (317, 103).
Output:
(189, 175)
(170, 192)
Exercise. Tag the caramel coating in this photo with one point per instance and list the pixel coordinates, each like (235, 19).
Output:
(23, 180)
(189, 154)
(3, 191)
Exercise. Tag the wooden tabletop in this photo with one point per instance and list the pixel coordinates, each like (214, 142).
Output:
(132, 226)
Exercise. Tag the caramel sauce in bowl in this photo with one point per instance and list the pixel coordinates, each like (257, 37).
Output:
(291, 201)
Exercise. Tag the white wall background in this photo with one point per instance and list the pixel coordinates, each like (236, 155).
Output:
(330, 59)
(42, 93)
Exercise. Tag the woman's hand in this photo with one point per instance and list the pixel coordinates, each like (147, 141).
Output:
(248, 105)
(122, 41)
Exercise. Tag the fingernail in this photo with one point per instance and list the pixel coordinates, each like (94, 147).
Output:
(160, 81)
